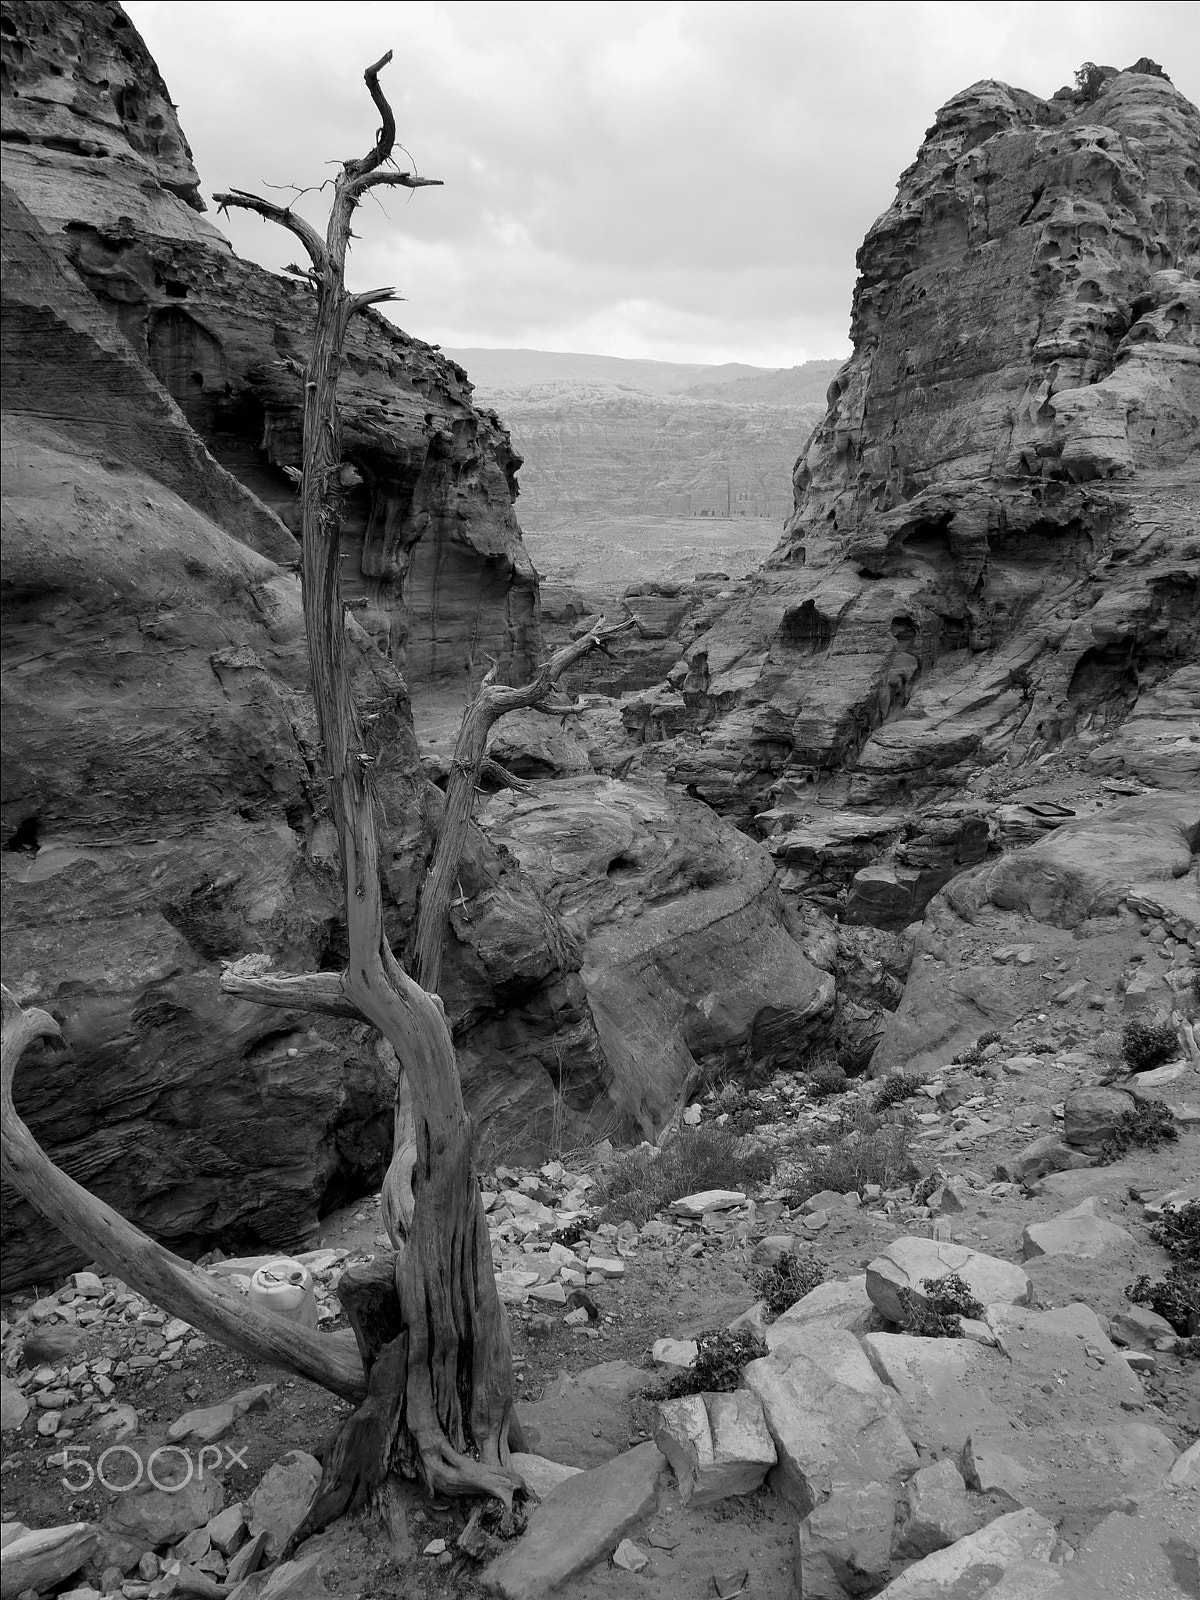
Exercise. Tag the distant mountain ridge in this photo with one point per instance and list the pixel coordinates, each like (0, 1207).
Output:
(508, 371)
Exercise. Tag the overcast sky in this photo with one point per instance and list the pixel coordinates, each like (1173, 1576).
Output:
(687, 182)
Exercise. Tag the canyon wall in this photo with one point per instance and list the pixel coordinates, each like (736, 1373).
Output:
(994, 547)
(163, 809)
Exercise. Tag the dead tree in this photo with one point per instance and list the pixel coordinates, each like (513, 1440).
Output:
(430, 1362)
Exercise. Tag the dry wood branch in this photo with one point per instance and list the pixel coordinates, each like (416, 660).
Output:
(283, 215)
(492, 701)
(165, 1278)
(310, 991)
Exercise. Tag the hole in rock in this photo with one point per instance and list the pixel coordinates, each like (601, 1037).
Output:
(24, 837)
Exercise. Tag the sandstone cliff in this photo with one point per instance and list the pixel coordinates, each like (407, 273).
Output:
(994, 547)
(162, 809)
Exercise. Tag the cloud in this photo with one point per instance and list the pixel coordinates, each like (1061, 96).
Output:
(684, 181)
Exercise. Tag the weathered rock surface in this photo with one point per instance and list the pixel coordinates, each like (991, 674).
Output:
(577, 1524)
(161, 808)
(718, 1445)
(844, 1546)
(1080, 1232)
(976, 1564)
(44, 1558)
(907, 1262)
(282, 1500)
(993, 549)
(832, 1420)
(688, 959)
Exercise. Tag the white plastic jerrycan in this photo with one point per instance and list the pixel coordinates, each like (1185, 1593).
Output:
(286, 1288)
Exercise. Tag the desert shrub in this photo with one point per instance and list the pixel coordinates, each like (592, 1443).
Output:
(1175, 1297)
(1179, 1232)
(571, 1233)
(789, 1279)
(642, 1182)
(1148, 1044)
(860, 1148)
(825, 1079)
(894, 1088)
(1150, 1123)
(973, 1054)
(937, 1316)
(720, 1357)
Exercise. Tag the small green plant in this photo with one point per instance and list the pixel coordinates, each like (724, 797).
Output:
(643, 1182)
(789, 1279)
(1150, 1123)
(825, 1079)
(1148, 1044)
(1179, 1232)
(947, 1299)
(720, 1357)
(896, 1087)
(1175, 1297)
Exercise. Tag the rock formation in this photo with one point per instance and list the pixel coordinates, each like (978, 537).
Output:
(994, 547)
(162, 809)
(433, 551)
(162, 806)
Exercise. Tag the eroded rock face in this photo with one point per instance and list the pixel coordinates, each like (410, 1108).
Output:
(687, 955)
(162, 804)
(434, 566)
(994, 547)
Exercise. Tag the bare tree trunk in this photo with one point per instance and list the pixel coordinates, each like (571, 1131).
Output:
(432, 1358)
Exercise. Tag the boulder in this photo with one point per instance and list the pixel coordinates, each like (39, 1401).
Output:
(1086, 868)
(1139, 1328)
(164, 1516)
(44, 1558)
(674, 1355)
(699, 1205)
(717, 1444)
(540, 1474)
(843, 1303)
(828, 1429)
(14, 1407)
(1080, 1232)
(937, 1510)
(1090, 1115)
(907, 1262)
(578, 1524)
(1044, 1155)
(227, 1531)
(944, 1384)
(844, 1546)
(283, 1499)
(211, 1423)
(976, 1564)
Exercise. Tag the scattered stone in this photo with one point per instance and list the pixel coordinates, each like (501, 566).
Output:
(699, 1205)
(211, 1423)
(578, 1524)
(1080, 1232)
(1046, 1154)
(247, 1560)
(674, 1355)
(227, 1530)
(907, 1262)
(283, 1499)
(89, 1285)
(717, 1444)
(629, 1557)
(549, 1294)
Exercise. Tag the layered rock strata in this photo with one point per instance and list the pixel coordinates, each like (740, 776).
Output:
(994, 548)
(433, 561)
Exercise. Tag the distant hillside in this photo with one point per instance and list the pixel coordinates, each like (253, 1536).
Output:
(806, 384)
(611, 440)
(500, 371)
